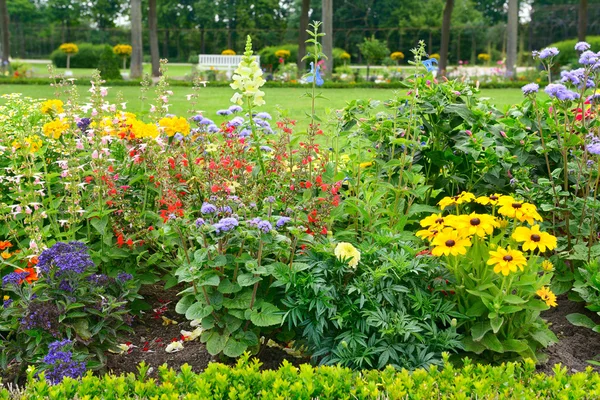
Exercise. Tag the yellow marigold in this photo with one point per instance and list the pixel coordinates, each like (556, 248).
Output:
(522, 211)
(345, 55)
(142, 130)
(464, 197)
(122, 49)
(547, 266)
(491, 199)
(69, 48)
(397, 56)
(483, 57)
(475, 224)
(450, 242)
(507, 260)
(547, 296)
(52, 106)
(55, 128)
(533, 238)
(347, 252)
(435, 55)
(228, 52)
(282, 53)
(33, 143)
(173, 125)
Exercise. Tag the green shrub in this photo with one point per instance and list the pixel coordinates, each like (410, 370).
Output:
(568, 54)
(247, 381)
(87, 57)
(109, 64)
(268, 57)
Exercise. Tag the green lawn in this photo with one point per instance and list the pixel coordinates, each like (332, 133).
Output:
(212, 99)
(41, 70)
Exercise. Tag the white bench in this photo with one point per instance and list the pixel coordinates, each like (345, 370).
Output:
(218, 61)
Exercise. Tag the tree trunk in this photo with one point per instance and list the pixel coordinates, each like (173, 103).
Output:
(153, 26)
(583, 18)
(4, 33)
(443, 65)
(512, 38)
(136, 39)
(327, 6)
(303, 35)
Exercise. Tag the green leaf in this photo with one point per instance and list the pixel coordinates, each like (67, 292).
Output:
(226, 287)
(581, 320)
(198, 311)
(215, 343)
(496, 324)
(210, 278)
(544, 336)
(233, 348)
(100, 224)
(491, 342)
(513, 299)
(510, 309)
(241, 301)
(517, 346)
(82, 329)
(268, 316)
(247, 280)
(479, 329)
(476, 310)
(472, 346)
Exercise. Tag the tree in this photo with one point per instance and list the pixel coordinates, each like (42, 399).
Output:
(513, 30)
(582, 20)
(105, 12)
(373, 51)
(5, 33)
(303, 35)
(327, 6)
(152, 25)
(446, 19)
(136, 39)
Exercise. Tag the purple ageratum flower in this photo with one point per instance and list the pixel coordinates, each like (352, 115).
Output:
(548, 52)
(226, 225)
(582, 46)
(199, 222)
(14, 278)
(593, 148)
(69, 257)
(197, 118)
(530, 88)
(266, 148)
(261, 122)
(225, 209)
(236, 121)
(264, 115)
(208, 208)
(124, 277)
(61, 364)
(83, 124)
(270, 199)
(268, 131)
(282, 221)
(244, 133)
(588, 58)
(560, 92)
(212, 128)
(235, 108)
(265, 226)
(65, 286)
(254, 222)
(223, 112)
(567, 95)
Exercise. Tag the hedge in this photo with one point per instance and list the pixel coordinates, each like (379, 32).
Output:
(247, 381)
(87, 57)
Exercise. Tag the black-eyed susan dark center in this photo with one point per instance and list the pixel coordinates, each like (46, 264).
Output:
(475, 221)
(536, 237)
(439, 221)
(450, 243)
(517, 205)
(508, 258)
(493, 198)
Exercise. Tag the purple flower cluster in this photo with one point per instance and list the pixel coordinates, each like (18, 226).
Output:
(7, 303)
(236, 121)
(264, 115)
(548, 52)
(223, 112)
(208, 208)
(561, 92)
(99, 279)
(226, 225)
(213, 128)
(61, 364)
(576, 77)
(200, 222)
(14, 278)
(594, 146)
(41, 316)
(588, 58)
(83, 124)
(261, 224)
(530, 88)
(65, 285)
(582, 46)
(124, 277)
(266, 149)
(282, 221)
(203, 120)
(244, 133)
(235, 108)
(69, 257)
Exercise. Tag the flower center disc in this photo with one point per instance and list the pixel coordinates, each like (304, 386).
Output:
(439, 221)
(535, 237)
(450, 243)
(475, 221)
(507, 258)
(516, 205)
(492, 197)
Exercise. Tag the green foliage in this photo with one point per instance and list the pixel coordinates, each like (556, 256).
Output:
(268, 57)
(390, 310)
(568, 56)
(587, 287)
(108, 65)
(373, 50)
(87, 57)
(246, 381)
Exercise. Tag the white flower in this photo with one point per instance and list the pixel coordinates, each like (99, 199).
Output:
(174, 347)
(193, 335)
(247, 78)
(347, 252)
(195, 323)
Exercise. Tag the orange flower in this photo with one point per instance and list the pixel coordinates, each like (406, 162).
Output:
(5, 244)
(5, 255)
(32, 261)
(32, 277)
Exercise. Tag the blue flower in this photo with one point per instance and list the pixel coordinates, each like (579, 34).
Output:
(266, 148)
(264, 115)
(226, 225)
(69, 257)
(61, 364)
(213, 128)
(14, 278)
(236, 121)
(530, 88)
(199, 222)
(223, 112)
(282, 221)
(428, 64)
(235, 108)
(124, 277)
(582, 46)
(208, 208)
(548, 52)
(265, 226)
(588, 58)
(244, 133)
(315, 75)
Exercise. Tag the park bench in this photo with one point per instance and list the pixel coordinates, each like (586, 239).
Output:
(219, 62)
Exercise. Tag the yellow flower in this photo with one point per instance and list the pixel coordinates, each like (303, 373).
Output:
(52, 106)
(533, 238)
(34, 143)
(122, 49)
(464, 197)
(365, 164)
(450, 242)
(397, 56)
(491, 199)
(5, 298)
(55, 129)
(547, 266)
(282, 53)
(507, 261)
(5, 255)
(512, 208)
(228, 52)
(173, 125)
(69, 48)
(143, 130)
(345, 55)
(346, 252)
(475, 224)
(546, 295)
(427, 234)
(436, 221)
(247, 78)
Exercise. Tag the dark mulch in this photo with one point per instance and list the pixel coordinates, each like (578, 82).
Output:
(576, 344)
(152, 336)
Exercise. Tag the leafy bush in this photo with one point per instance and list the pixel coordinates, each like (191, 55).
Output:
(87, 57)
(269, 58)
(387, 309)
(246, 381)
(587, 287)
(109, 64)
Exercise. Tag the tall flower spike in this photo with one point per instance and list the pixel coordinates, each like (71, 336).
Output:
(247, 78)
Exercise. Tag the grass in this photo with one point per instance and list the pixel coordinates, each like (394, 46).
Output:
(41, 70)
(212, 99)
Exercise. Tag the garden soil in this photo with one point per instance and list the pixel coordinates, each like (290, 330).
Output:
(152, 334)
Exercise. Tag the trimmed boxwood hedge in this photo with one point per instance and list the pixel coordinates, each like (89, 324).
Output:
(87, 57)
(247, 381)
